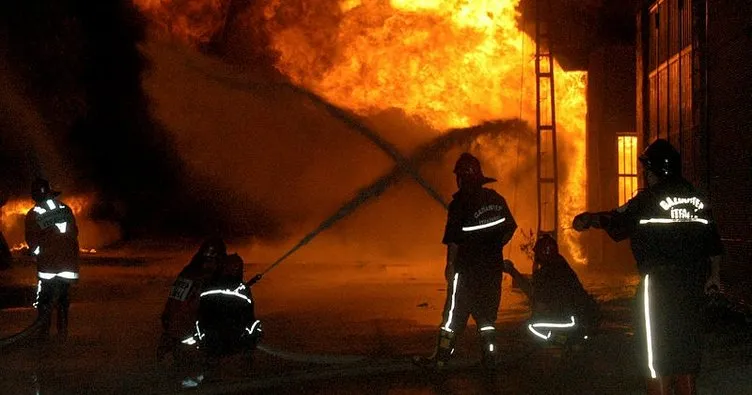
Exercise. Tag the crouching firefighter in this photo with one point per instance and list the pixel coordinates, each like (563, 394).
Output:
(181, 309)
(52, 237)
(478, 226)
(563, 313)
(227, 323)
(677, 248)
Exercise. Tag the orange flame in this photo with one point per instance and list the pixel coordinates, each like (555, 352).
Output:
(453, 63)
(194, 21)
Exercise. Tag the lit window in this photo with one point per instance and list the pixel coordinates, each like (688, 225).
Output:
(627, 149)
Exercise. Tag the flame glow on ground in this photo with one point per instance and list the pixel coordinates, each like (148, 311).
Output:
(451, 63)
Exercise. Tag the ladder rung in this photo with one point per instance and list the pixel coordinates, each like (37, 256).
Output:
(546, 180)
(546, 74)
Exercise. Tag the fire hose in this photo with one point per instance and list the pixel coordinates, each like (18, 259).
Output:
(29, 333)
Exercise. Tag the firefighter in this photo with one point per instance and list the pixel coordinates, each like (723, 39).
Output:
(677, 249)
(561, 307)
(478, 226)
(226, 323)
(181, 309)
(52, 237)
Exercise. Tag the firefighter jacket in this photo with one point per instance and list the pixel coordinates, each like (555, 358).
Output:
(181, 309)
(226, 319)
(52, 236)
(669, 224)
(480, 223)
(558, 293)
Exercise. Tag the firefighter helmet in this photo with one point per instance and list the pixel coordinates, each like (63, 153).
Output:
(213, 247)
(468, 170)
(662, 158)
(40, 190)
(545, 248)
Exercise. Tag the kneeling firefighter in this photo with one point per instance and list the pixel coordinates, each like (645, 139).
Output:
(478, 226)
(562, 310)
(227, 321)
(181, 309)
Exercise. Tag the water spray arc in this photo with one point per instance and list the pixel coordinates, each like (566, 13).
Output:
(404, 166)
(430, 151)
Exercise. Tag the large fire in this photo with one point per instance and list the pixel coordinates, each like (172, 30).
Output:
(453, 63)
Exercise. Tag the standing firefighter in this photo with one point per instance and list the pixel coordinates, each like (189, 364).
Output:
(478, 226)
(52, 237)
(677, 248)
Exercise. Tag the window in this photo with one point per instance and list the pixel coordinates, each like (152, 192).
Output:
(669, 53)
(627, 157)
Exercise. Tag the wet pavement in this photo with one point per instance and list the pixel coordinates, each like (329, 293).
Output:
(380, 313)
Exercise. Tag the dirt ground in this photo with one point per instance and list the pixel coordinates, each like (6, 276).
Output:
(314, 312)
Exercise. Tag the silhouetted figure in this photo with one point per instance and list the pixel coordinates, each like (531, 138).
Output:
(226, 321)
(677, 248)
(211, 309)
(478, 226)
(181, 309)
(562, 310)
(52, 237)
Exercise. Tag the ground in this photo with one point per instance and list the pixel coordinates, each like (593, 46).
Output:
(313, 312)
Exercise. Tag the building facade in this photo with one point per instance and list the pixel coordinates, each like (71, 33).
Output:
(694, 88)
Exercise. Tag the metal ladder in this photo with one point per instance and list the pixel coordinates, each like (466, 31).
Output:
(545, 120)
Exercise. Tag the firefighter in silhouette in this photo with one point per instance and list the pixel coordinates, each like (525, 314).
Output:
(478, 226)
(225, 318)
(227, 322)
(181, 309)
(52, 237)
(562, 310)
(677, 248)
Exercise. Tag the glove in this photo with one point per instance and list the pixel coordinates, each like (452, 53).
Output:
(254, 280)
(582, 221)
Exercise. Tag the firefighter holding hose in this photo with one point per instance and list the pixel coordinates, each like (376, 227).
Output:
(479, 224)
(52, 237)
(677, 248)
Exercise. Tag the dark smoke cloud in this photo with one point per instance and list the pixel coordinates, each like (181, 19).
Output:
(177, 142)
(267, 141)
(74, 111)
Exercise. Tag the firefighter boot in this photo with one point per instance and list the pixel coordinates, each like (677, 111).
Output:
(660, 386)
(685, 385)
(490, 350)
(442, 353)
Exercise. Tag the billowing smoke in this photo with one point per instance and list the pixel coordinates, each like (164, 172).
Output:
(267, 142)
(74, 111)
(170, 139)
